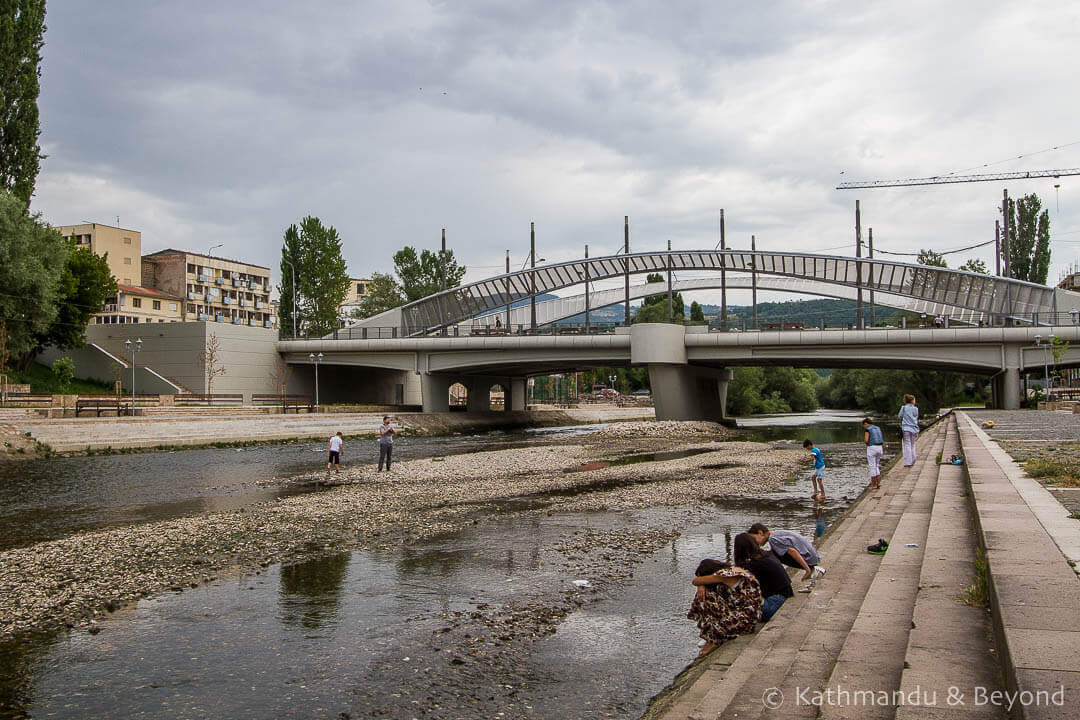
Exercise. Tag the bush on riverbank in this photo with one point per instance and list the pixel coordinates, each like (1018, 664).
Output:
(42, 380)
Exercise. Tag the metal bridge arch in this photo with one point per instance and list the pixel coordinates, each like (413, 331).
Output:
(985, 294)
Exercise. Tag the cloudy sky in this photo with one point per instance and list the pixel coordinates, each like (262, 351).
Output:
(202, 123)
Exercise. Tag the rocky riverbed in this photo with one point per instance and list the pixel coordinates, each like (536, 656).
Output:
(74, 581)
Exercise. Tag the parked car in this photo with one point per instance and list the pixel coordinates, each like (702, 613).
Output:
(606, 393)
(640, 393)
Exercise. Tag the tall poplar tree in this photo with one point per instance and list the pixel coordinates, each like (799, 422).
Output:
(314, 251)
(1028, 240)
(22, 27)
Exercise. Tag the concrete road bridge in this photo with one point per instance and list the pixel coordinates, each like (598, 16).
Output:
(996, 327)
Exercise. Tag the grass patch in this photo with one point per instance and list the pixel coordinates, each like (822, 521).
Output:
(1061, 473)
(42, 380)
(1075, 516)
(977, 594)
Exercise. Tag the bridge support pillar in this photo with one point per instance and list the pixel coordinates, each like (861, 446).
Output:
(680, 391)
(479, 397)
(1006, 389)
(515, 395)
(435, 392)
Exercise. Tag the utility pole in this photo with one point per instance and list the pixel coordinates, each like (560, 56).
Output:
(859, 321)
(670, 307)
(442, 280)
(586, 289)
(532, 274)
(508, 292)
(870, 244)
(723, 276)
(1005, 250)
(997, 248)
(753, 278)
(626, 266)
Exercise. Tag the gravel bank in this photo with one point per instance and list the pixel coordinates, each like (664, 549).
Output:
(72, 581)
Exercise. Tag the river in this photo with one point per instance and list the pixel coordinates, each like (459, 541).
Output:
(381, 633)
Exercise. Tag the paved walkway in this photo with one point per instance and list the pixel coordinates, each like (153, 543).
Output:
(1032, 548)
(854, 633)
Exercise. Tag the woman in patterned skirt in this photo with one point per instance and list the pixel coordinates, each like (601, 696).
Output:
(727, 603)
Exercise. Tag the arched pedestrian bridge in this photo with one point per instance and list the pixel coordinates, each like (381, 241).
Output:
(413, 354)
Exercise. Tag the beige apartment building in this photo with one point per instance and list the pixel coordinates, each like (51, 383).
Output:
(139, 305)
(123, 248)
(357, 291)
(211, 288)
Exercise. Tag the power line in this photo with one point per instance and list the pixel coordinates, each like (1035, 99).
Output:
(1018, 157)
(943, 252)
(952, 179)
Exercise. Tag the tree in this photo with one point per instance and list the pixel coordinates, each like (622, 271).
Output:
(975, 265)
(421, 275)
(931, 258)
(210, 362)
(81, 293)
(22, 26)
(1028, 240)
(64, 370)
(696, 313)
(383, 293)
(314, 252)
(32, 261)
(654, 308)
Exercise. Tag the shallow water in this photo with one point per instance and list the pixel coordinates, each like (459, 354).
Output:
(361, 634)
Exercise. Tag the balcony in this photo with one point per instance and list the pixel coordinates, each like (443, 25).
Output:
(237, 321)
(203, 317)
(191, 296)
(227, 300)
(219, 318)
(237, 282)
(253, 322)
(219, 281)
(244, 303)
(203, 278)
(252, 285)
(268, 323)
(259, 304)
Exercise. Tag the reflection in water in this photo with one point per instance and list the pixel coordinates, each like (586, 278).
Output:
(311, 591)
(20, 661)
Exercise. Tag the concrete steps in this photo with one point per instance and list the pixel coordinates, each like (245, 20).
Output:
(950, 642)
(814, 637)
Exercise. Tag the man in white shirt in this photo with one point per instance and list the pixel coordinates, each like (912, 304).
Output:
(335, 453)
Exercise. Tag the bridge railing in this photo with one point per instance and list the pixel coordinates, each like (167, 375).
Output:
(487, 327)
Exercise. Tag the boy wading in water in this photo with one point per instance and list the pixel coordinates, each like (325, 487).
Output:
(335, 453)
(386, 443)
(817, 477)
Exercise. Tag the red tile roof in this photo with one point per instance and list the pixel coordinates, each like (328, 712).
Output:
(145, 292)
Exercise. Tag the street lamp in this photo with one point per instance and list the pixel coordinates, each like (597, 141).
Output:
(293, 273)
(611, 380)
(213, 248)
(133, 349)
(1074, 312)
(316, 359)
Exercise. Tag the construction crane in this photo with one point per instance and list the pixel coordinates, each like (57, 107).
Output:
(949, 179)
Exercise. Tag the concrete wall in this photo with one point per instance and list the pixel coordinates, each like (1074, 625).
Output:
(94, 363)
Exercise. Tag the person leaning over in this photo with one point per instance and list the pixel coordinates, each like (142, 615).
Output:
(909, 427)
(774, 580)
(727, 602)
(875, 448)
(386, 443)
(790, 548)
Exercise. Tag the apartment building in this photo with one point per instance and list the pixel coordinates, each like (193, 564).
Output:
(211, 288)
(357, 291)
(123, 248)
(139, 305)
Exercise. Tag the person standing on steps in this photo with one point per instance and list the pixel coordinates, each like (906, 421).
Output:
(386, 443)
(335, 453)
(875, 448)
(909, 428)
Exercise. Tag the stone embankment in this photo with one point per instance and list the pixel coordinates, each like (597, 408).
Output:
(74, 580)
(81, 435)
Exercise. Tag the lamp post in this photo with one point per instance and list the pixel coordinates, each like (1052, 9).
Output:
(293, 273)
(611, 380)
(315, 360)
(1046, 365)
(1074, 312)
(133, 349)
(213, 248)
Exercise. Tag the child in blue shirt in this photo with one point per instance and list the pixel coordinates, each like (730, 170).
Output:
(817, 477)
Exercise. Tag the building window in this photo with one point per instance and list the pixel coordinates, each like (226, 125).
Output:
(191, 268)
(136, 302)
(127, 281)
(359, 288)
(127, 261)
(172, 307)
(127, 241)
(157, 304)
